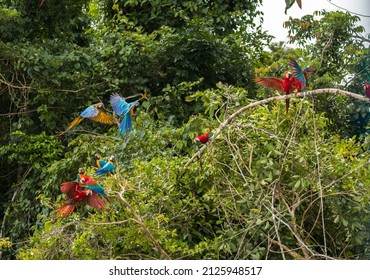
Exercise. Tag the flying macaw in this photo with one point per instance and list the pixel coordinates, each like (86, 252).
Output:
(108, 167)
(93, 113)
(75, 196)
(366, 89)
(92, 184)
(121, 107)
(285, 85)
(204, 138)
(99, 161)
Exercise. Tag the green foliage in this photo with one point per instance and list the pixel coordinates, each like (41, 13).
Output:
(264, 163)
(267, 181)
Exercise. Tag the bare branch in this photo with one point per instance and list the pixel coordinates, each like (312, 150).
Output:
(269, 100)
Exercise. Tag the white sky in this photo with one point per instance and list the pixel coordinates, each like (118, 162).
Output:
(274, 15)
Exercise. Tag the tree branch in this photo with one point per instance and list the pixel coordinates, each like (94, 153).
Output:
(269, 100)
(141, 223)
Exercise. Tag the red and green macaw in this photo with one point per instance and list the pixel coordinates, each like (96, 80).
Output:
(92, 184)
(301, 76)
(108, 167)
(121, 107)
(75, 196)
(94, 113)
(285, 85)
(366, 89)
(204, 138)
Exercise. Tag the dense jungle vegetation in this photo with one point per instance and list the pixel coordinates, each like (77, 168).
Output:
(270, 185)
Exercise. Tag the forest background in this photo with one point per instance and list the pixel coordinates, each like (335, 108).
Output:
(270, 186)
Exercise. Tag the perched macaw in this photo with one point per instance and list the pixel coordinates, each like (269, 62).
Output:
(366, 89)
(92, 184)
(93, 113)
(99, 161)
(81, 173)
(108, 167)
(121, 107)
(301, 81)
(285, 85)
(204, 138)
(75, 196)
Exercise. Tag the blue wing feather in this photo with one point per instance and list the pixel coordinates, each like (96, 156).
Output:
(97, 189)
(119, 104)
(126, 124)
(90, 112)
(108, 167)
(298, 73)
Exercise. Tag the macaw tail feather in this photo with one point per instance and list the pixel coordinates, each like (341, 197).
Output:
(66, 209)
(286, 106)
(75, 122)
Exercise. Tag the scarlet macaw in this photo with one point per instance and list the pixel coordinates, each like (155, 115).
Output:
(93, 113)
(92, 184)
(108, 167)
(366, 89)
(285, 85)
(204, 138)
(75, 196)
(121, 107)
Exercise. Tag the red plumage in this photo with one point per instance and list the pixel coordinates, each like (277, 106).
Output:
(366, 89)
(77, 195)
(286, 85)
(204, 138)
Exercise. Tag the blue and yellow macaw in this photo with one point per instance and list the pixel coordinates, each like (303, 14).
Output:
(107, 168)
(121, 107)
(94, 113)
(99, 161)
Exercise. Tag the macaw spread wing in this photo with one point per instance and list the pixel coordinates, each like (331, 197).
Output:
(103, 118)
(274, 83)
(93, 200)
(298, 73)
(69, 188)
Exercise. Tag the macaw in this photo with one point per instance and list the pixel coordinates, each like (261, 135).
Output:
(108, 167)
(204, 138)
(285, 85)
(94, 113)
(75, 196)
(99, 161)
(121, 107)
(92, 184)
(81, 173)
(366, 89)
(301, 81)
